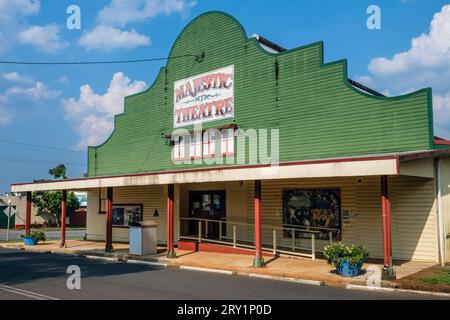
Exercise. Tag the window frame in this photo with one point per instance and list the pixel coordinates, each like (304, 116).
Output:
(115, 205)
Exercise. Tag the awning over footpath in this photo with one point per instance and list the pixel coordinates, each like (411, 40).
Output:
(385, 164)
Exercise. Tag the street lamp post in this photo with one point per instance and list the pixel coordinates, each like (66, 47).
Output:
(9, 217)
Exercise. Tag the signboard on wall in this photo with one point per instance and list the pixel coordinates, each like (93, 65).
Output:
(205, 97)
(314, 210)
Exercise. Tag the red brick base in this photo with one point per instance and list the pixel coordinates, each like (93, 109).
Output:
(213, 247)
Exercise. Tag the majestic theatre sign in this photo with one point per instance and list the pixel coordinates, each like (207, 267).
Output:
(204, 97)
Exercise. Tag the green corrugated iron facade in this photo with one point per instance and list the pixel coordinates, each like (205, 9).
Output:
(318, 113)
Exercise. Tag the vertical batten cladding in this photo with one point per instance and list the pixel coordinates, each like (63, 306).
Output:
(445, 189)
(318, 113)
(416, 231)
(413, 231)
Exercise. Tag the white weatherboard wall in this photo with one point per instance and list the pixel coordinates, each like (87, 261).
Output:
(151, 197)
(414, 234)
(414, 223)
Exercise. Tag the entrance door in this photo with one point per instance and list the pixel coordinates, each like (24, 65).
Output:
(207, 205)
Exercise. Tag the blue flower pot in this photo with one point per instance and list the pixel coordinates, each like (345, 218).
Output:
(30, 241)
(345, 270)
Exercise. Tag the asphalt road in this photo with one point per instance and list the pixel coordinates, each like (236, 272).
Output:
(27, 275)
(51, 235)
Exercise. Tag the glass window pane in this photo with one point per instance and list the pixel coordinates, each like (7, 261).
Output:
(118, 216)
(206, 203)
(217, 202)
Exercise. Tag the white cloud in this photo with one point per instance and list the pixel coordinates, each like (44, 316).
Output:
(425, 64)
(21, 92)
(5, 115)
(38, 92)
(64, 80)
(441, 104)
(11, 12)
(12, 19)
(16, 77)
(92, 114)
(107, 38)
(122, 12)
(44, 38)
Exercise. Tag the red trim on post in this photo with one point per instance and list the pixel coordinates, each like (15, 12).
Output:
(170, 221)
(109, 202)
(258, 262)
(63, 217)
(386, 221)
(28, 214)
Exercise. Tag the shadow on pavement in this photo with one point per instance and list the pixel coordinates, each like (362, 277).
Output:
(19, 266)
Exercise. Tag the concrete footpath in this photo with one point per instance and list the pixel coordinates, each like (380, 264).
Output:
(288, 268)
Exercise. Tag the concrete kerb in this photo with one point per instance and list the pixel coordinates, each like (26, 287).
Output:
(373, 288)
(281, 278)
(164, 262)
(221, 271)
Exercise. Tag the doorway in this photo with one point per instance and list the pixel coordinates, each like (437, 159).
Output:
(207, 205)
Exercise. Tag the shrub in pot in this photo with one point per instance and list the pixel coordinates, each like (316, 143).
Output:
(34, 237)
(347, 260)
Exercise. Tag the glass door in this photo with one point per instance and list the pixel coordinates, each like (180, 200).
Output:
(207, 205)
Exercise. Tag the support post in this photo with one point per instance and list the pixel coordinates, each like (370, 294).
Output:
(274, 241)
(109, 205)
(28, 214)
(234, 236)
(388, 272)
(63, 218)
(313, 246)
(259, 261)
(170, 221)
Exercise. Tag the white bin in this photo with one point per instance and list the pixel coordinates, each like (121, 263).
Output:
(143, 238)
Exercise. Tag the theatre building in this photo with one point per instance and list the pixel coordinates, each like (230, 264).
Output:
(241, 145)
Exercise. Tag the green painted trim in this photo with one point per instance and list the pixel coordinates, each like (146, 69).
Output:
(388, 274)
(258, 262)
(171, 254)
(430, 116)
(440, 146)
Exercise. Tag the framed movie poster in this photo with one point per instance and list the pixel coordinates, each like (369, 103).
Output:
(125, 214)
(319, 208)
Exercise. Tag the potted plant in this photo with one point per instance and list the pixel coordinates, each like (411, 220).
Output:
(347, 260)
(33, 238)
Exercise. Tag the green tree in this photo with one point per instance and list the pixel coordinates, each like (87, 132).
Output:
(48, 203)
(58, 172)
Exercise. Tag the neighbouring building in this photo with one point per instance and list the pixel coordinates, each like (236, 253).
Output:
(350, 165)
(18, 202)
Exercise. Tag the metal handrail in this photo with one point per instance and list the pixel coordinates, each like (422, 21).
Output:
(283, 226)
(234, 241)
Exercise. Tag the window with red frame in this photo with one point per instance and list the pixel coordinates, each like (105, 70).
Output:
(227, 142)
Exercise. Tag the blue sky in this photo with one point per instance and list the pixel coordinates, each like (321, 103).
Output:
(42, 106)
